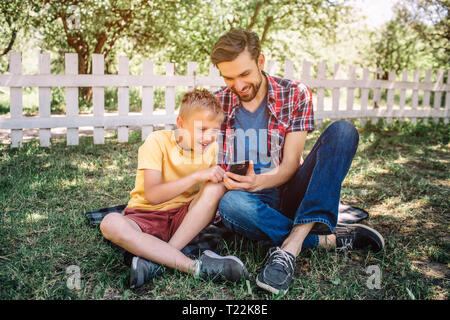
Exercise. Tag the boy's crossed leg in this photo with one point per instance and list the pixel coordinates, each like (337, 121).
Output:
(201, 213)
(127, 234)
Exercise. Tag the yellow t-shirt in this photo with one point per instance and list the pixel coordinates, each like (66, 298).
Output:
(161, 152)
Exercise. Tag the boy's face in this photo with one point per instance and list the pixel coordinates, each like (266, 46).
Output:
(199, 130)
(243, 75)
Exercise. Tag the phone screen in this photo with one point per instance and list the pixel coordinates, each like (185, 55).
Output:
(239, 168)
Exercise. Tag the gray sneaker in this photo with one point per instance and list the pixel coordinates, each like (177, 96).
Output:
(142, 271)
(278, 271)
(217, 268)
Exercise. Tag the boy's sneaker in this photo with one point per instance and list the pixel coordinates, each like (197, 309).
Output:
(278, 271)
(142, 271)
(218, 268)
(357, 236)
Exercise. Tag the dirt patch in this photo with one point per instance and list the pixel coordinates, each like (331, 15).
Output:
(56, 133)
(33, 134)
(432, 270)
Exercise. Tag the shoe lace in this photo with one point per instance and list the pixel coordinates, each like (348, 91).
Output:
(346, 243)
(279, 256)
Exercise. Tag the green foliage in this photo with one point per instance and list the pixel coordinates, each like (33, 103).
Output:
(58, 100)
(396, 48)
(430, 22)
(417, 38)
(175, 31)
(89, 26)
(195, 37)
(14, 17)
(181, 31)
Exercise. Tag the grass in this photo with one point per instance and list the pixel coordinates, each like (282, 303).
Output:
(400, 174)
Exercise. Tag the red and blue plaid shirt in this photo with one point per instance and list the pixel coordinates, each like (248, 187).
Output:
(291, 109)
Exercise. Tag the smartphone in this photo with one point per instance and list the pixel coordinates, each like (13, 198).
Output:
(239, 168)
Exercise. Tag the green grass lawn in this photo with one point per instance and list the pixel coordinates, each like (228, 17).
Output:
(400, 174)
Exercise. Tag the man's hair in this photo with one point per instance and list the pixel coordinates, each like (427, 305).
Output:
(231, 44)
(200, 99)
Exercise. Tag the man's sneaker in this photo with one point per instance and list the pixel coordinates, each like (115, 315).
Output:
(142, 271)
(217, 268)
(357, 236)
(278, 271)
(348, 214)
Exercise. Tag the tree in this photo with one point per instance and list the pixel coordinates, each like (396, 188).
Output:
(429, 21)
(176, 30)
(201, 25)
(96, 26)
(396, 48)
(416, 38)
(14, 17)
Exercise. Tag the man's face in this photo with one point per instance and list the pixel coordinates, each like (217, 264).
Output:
(243, 75)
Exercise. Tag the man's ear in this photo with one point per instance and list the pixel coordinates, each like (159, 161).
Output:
(261, 61)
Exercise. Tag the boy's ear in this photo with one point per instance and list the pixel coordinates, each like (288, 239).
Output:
(179, 122)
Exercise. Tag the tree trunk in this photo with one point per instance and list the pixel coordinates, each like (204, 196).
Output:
(83, 68)
(81, 47)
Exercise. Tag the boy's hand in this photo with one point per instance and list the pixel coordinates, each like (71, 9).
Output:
(213, 174)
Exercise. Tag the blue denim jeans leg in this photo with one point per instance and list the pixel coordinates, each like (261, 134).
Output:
(311, 195)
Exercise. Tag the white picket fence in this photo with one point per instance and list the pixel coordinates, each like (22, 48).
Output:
(324, 107)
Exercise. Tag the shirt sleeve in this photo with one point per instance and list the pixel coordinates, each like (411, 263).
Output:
(150, 154)
(303, 114)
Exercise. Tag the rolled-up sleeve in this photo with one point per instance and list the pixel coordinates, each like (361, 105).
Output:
(302, 118)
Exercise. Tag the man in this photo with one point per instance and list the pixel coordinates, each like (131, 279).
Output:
(293, 206)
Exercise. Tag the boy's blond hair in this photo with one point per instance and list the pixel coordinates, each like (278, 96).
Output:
(201, 99)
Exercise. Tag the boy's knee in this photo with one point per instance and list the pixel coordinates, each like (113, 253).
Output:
(111, 225)
(214, 190)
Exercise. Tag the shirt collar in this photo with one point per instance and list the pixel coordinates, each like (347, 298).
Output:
(271, 87)
(271, 93)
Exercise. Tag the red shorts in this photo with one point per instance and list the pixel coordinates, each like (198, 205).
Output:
(161, 224)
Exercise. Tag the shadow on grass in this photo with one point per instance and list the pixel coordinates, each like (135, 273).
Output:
(400, 175)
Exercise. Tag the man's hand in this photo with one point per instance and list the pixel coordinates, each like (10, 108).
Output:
(214, 174)
(248, 182)
(293, 148)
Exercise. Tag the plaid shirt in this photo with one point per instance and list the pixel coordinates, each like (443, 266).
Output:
(290, 106)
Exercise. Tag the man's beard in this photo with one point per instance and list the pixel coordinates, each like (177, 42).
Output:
(254, 90)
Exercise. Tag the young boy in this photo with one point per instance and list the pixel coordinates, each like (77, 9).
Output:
(177, 190)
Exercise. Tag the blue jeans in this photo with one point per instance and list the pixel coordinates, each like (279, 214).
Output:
(311, 195)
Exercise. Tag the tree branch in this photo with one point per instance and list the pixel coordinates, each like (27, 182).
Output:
(11, 42)
(269, 22)
(255, 15)
(101, 39)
